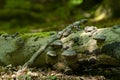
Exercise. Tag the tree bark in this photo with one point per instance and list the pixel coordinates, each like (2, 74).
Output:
(89, 47)
(52, 39)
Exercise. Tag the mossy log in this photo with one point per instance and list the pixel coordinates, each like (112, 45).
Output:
(16, 50)
(90, 47)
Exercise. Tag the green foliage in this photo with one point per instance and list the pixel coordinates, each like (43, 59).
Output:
(24, 15)
(76, 2)
(27, 14)
(12, 4)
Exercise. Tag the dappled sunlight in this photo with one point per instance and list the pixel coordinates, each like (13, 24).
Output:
(102, 14)
(100, 17)
(83, 34)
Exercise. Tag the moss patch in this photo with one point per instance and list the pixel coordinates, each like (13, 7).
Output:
(40, 34)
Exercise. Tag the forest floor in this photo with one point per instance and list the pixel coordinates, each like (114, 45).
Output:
(11, 73)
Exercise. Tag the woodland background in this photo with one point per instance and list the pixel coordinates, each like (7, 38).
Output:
(53, 15)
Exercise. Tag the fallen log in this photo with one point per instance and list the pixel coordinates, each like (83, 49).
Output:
(67, 50)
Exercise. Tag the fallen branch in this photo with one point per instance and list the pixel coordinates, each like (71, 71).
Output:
(52, 39)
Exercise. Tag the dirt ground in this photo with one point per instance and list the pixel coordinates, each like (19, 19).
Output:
(12, 73)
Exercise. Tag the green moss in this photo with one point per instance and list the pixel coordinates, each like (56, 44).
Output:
(2, 32)
(40, 34)
(22, 46)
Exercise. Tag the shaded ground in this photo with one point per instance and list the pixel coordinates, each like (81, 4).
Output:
(10, 73)
(13, 73)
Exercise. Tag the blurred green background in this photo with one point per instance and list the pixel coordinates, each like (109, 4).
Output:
(53, 15)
